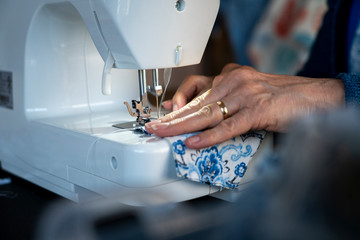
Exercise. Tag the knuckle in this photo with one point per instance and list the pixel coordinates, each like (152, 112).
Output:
(211, 139)
(177, 121)
(229, 126)
(192, 79)
(199, 101)
(206, 111)
(217, 80)
(189, 78)
(239, 74)
(248, 69)
(230, 66)
(195, 103)
(244, 72)
(171, 116)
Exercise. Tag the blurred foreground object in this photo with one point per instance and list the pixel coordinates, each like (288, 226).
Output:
(313, 192)
(309, 191)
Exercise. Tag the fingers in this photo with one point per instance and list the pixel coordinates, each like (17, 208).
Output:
(196, 115)
(193, 106)
(207, 116)
(233, 87)
(168, 105)
(227, 129)
(190, 88)
(209, 97)
(198, 104)
(180, 98)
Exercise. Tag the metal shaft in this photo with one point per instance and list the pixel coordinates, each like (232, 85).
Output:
(142, 83)
(155, 77)
(156, 84)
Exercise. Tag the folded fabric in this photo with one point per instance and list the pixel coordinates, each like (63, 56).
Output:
(222, 165)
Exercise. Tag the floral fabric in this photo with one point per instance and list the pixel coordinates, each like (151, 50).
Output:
(222, 165)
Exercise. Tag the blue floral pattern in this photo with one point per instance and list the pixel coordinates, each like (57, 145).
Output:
(240, 169)
(222, 165)
(209, 165)
(179, 147)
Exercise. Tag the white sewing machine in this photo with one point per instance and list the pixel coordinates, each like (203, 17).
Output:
(63, 85)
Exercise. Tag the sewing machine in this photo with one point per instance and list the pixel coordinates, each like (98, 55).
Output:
(67, 67)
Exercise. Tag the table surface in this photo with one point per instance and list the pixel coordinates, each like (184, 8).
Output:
(22, 204)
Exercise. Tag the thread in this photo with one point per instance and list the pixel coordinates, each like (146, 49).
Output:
(167, 77)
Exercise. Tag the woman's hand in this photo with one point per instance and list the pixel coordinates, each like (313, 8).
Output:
(190, 88)
(254, 100)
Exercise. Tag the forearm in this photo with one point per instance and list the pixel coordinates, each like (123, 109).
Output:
(319, 93)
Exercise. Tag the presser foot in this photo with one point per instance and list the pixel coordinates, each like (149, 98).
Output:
(127, 125)
(132, 125)
(137, 127)
(141, 113)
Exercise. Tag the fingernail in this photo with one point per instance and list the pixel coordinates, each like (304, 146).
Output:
(193, 140)
(154, 122)
(175, 107)
(159, 126)
(148, 125)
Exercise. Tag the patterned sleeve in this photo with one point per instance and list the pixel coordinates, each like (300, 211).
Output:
(328, 55)
(352, 88)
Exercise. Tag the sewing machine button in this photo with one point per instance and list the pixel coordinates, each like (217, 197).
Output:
(178, 54)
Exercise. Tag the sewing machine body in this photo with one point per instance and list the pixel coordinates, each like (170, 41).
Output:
(56, 125)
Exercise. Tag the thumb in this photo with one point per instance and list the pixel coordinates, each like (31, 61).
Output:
(179, 100)
(168, 105)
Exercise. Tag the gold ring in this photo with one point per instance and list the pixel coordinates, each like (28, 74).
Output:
(223, 109)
